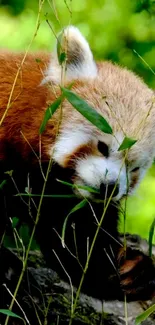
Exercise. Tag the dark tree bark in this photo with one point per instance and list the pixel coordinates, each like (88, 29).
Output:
(44, 298)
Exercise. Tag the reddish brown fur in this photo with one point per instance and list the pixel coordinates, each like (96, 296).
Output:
(134, 179)
(81, 152)
(28, 103)
(130, 264)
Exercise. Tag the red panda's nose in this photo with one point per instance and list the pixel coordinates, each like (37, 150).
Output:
(107, 190)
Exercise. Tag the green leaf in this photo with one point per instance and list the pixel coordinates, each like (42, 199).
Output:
(9, 172)
(9, 313)
(2, 184)
(145, 315)
(65, 196)
(78, 206)
(127, 143)
(60, 51)
(151, 233)
(83, 187)
(62, 57)
(59, 48)
(38, 60)
(87, 111)
(15, 222)
(49, 112)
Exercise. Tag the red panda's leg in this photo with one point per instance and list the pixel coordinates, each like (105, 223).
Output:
(137, 274)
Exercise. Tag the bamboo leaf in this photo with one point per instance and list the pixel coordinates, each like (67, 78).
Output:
(87, 111)
(15, 222)
(127, 143)
(9, 172)
(65, 196)
(62, 57)
(9, 313)
(49, 112)
(60, 52)
(144, 315)
(38, 60)
(78, 206)
(2, 184)
(151, 233)
(83, 187)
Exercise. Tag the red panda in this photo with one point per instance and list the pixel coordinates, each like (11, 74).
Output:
(81, 155)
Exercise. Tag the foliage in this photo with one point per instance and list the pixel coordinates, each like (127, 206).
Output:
(9, 313)
(127, 143)
(87, 111)
(145, 315)
(141, 207)
(122, 31)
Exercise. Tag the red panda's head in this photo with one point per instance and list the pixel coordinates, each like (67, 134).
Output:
(128, 106)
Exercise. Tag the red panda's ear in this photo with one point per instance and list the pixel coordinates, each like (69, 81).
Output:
(79, 62)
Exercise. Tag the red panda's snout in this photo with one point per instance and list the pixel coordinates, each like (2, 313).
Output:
(99, 173)
(107, 176)
(100, 170)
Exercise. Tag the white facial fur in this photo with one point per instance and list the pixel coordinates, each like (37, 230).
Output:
(93, 169)
(119, 96)
(68, 143)
(81, 64)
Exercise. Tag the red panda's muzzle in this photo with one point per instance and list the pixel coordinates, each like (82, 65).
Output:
(110, 190)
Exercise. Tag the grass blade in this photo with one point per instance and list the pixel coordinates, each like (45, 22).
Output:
(151, 233)
(127, 143)
(83, 187)
(78, 206)
(9, 313)
(60, 51)
(65, 196)
(49, 112)
(144, 315)
(2, 184)
(15, 222)
(87, 111)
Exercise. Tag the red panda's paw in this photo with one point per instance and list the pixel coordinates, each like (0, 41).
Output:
(137, 274)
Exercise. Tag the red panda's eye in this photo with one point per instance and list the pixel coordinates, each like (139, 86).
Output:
(135, 169)
(103, 149)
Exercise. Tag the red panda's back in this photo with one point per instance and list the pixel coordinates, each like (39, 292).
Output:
(22, 99)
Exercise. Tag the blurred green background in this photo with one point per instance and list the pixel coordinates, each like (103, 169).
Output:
(122, 31)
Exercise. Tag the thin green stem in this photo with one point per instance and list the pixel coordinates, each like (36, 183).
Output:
(91, 249)
(41, 2)
(30, 241)
(88, 259)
